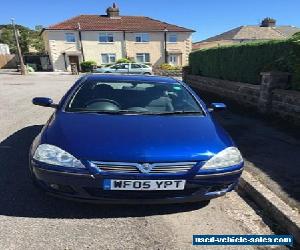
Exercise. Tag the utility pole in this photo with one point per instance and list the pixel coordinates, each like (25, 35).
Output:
(23, 68)
(80, 41)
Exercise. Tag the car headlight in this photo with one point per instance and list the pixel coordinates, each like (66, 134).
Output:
(53, 155)
(226, 158)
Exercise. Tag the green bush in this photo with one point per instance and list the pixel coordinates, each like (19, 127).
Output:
(125, 60)
(244, 62)
(87, 66)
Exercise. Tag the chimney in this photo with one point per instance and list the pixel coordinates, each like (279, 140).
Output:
(113, 11)
(268, 22)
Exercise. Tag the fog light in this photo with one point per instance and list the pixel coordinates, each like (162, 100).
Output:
(54, 186)
(62, 188)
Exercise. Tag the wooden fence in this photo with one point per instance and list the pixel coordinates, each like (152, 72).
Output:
(8, 61)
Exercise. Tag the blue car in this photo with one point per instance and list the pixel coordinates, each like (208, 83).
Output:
(133, 139)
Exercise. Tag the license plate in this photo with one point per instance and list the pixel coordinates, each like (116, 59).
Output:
(109, 184)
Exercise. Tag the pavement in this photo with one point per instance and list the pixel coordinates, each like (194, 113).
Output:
(271, 149)
(273, 207)
(29, 219)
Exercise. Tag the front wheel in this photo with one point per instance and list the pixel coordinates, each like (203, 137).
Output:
(147, 73)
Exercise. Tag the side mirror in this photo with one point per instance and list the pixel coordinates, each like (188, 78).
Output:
(217, 106)
(44, 102)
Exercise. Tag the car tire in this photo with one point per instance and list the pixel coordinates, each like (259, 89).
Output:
(147, 73)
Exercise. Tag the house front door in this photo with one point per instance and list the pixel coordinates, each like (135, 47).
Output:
(173, 59)
(74, 59)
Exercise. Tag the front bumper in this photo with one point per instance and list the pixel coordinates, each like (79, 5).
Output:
(88, 187)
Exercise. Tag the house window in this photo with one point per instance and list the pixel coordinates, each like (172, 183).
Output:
(172, 38)
(143, 57)
(108, 58)
(142, 38)
(106, 37)
(70, 38)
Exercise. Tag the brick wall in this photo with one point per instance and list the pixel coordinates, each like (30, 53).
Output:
(8, 61)
(281, 103)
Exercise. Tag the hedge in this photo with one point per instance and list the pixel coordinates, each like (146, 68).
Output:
(245, 61)
(87, 66)
(125, 60)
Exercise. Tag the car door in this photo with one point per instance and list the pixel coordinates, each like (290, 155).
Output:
(136, 69)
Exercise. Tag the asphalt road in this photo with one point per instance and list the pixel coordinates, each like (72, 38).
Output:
(31, 220)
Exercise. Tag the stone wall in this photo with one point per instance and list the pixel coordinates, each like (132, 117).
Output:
(161, 72)
(286, 104)
(267, 98)
(246, 94)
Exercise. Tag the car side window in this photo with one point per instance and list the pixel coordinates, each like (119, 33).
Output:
(122, 66)
(136, 66)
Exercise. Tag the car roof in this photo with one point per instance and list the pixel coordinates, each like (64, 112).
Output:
(143, 78)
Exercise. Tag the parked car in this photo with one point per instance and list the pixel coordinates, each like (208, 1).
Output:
(133, 139)
(126, 68)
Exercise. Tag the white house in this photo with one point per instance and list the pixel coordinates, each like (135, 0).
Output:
(107, 38)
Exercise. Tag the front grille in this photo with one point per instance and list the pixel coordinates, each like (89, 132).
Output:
(118, 168)
(153, 168)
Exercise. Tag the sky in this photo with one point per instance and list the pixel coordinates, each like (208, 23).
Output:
(207, 18)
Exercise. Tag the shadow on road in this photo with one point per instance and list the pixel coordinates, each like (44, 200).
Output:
(19, 197)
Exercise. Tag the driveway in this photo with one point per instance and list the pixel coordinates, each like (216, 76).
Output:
(29, 219)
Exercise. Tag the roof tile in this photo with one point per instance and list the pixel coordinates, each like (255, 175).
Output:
(252, 32)
(121, 23)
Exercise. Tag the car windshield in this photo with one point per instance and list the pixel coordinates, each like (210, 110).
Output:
(133, 98)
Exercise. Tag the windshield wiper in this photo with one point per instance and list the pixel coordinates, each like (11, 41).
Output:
(114, 112)
(118, 112)
(160, 113)
(183, 112)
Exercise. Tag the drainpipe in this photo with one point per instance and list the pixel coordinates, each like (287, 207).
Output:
(165, 40)
(80, 41)
(124, 44)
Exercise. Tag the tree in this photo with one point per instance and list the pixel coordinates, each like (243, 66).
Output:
(7, 37)
(27, 37)
(296, 36)
(36, 40)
